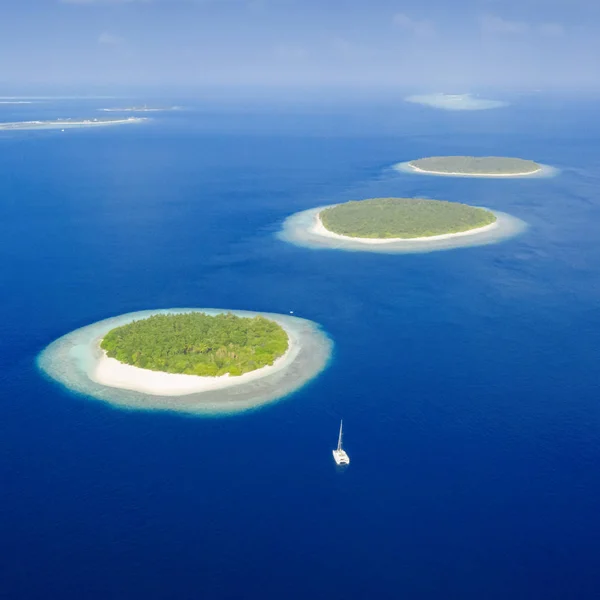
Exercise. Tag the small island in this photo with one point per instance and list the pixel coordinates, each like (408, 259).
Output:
(140, 109)
(197, 344)
(196, 361)
(392, 219)
(67, 123)
(455, 101)
(398, 226)
(475, 166)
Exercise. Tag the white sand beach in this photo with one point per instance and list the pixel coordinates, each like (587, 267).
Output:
(523, 174)
(68, 123)
(140, 109)
(305, 229)
(112, 373)
(320, 229)
(543, 171)
(76, 361)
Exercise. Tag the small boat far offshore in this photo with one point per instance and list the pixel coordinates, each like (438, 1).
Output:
(339, 454)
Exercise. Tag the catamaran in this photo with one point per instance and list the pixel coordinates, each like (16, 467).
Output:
(339, 454)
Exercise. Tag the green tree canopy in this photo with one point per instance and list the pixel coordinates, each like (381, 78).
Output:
(197, 344)
(403, 218)
(476, 165)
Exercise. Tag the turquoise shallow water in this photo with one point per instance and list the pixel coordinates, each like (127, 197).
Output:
(467, 379)
(299, 229)
(72, 360)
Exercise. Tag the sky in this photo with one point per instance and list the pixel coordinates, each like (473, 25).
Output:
(433, 45)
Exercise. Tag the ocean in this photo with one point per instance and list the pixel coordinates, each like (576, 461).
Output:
(467, 379)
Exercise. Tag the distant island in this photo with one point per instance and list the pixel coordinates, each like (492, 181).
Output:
(485, 166)
(455, 101)
(67, 123)
(391, 219)
(140, 109)
(190, 360)
(197, 344)
(397, 226)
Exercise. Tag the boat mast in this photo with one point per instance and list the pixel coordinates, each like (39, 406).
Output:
(340, 438)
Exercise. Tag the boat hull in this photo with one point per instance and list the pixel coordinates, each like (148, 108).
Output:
(340, 457)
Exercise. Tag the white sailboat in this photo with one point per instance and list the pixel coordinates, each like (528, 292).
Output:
(339, 454)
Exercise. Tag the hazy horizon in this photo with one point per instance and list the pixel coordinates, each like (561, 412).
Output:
(291, 44)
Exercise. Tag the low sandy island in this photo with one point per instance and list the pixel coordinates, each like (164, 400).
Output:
(306, 229)
(67, 123)
(542, 171)
(77, 361)
(140, 109)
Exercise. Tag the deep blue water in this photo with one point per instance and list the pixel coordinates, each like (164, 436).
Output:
(468, 380)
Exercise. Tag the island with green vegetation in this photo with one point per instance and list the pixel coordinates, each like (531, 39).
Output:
(490, 166)
(403, 218)
(211, 361)
(197, 344)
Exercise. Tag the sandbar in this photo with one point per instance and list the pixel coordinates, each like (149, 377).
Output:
(67, 123)
(306, 229)
(77, 362)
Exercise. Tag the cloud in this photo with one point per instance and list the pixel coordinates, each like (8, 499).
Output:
(419, 28)
(341, 45)
(256, 4)
(552, 29)
(109, 39)
(87, 2)
(352, 50)
(291, 52)
(495, 24)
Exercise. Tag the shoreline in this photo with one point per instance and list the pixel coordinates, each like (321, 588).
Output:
(302, 229)
(542, 171)
(523, 174)
(66, 124)
(112, 373)
(73, 361)
(320, 229)
(141, 109)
